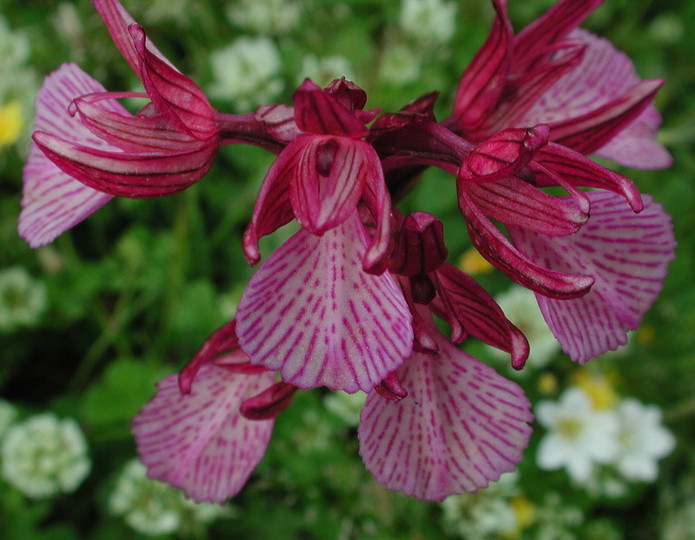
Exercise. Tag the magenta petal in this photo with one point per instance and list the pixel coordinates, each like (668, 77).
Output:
(504, 154)
(497, 249)
(131, 133)
(483, 82)
(279, 121)
(223, 340)
(535, 42)
(177, 98)
(626, 253)
(570, 168)
(199, 442)
(419, 245)
(530, 86)
(469, 309)
(460, 427)
(272, 209)
(378, 201)
(313, 314)
(514, 201)
(328, 181)
(127, 174)
(602, 92)
(117, 21)
(317, 111)
(52, 201)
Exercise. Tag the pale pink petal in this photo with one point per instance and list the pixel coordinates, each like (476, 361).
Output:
(460, 427)
(636, 146)
(199, 442)
(603, 75)
(52, 201)
(626, 253)
(312, 313)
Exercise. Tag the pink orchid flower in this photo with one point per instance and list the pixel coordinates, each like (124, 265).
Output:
(321, 310)
(551, 72)
(87, 147)
(206, 430)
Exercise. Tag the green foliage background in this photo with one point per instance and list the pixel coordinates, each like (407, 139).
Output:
(136, 289)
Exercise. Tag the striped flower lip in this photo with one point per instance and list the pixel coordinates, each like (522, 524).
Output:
(460, 427)
(312, 313)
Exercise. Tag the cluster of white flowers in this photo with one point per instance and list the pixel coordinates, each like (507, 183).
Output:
(486, 515)
(44, 456)
(22, 299)
(246, 72)
(520, 306)
(18, 90)
(265, 16)
(154, 508)
(399, 65)
(627, 439)
(428, 21)
(503, 511)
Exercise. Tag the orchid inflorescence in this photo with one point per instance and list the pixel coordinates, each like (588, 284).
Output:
(349, 302)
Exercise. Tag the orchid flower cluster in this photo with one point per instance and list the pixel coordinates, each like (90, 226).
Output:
(351, 301)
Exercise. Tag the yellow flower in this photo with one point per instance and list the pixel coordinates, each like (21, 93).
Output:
(473, 262)
(525, 514)
(11, 123)
(645, 334)
(548, 384)
(598, 386)
(525, 511)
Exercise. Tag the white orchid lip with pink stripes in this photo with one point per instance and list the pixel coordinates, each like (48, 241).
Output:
(350, 301)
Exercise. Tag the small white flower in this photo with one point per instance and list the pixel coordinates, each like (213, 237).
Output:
(578, 435)
(22, 299)
(154, 508)
(175, 11)
(346, 406)
(520, 306)
(323, 71)
(642, 440)
(488, 515)
(428, 21)
(246, 72)
(400, 65)
(265, 16)
(8, 413)
(44, 456)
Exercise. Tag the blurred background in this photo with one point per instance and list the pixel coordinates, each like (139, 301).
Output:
(89, 323)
